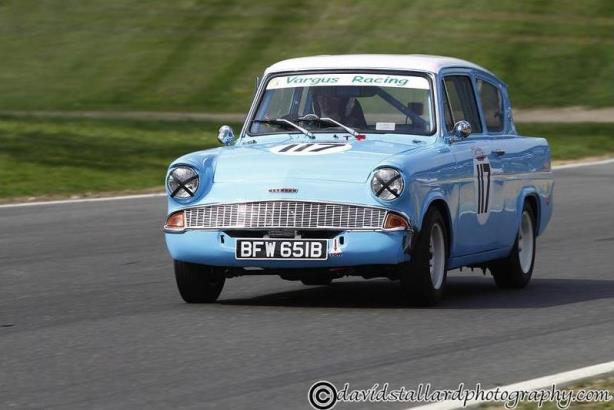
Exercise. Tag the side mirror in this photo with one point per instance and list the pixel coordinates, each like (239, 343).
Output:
(462, 129)
(225, 135)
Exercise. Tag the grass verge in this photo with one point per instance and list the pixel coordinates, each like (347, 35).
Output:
(574, 141)
(597, 383)
(64, 157)
(194, 55)
(61, 157)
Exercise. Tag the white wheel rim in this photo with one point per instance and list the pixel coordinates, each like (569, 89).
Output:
(437, 258)
(526, 244)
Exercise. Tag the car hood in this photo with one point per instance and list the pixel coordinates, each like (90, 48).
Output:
(350, 161)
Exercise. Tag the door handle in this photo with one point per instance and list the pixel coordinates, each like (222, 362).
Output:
(498, 152)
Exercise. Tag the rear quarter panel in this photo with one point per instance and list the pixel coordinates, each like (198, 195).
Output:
(527, 172)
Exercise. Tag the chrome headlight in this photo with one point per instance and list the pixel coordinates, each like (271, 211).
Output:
(387, 183)
(182, 182)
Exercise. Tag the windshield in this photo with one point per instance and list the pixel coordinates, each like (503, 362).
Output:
(365, 102)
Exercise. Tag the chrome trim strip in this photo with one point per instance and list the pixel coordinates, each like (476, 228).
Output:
(290, 200)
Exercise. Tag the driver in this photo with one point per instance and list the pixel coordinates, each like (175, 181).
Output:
(346, 110)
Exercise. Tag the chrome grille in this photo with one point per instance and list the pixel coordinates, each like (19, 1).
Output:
(284, 214)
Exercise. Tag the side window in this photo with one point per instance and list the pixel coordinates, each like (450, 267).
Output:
(492, 106)
(461, 104)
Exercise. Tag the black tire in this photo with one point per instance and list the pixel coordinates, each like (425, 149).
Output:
(317, 281)
(416, 283)
(198, 283)
(509, 273)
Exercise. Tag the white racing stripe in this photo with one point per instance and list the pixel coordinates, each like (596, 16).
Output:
(143, 196)
(559, 379)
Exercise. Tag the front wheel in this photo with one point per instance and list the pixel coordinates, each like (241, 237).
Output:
(423, 279)
(198, 283)
(515, 271)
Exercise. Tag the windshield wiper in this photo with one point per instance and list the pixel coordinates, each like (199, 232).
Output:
(280, 121)
(352, 131)
(313, 117)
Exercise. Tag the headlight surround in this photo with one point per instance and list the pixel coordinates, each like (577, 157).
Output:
(387, 183)
(182, 182)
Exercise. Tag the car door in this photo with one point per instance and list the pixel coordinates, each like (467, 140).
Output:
(474, 230)
(492, 110)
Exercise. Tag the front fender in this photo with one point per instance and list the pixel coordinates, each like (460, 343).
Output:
(434, 195)
(439, 197)
(204, 163)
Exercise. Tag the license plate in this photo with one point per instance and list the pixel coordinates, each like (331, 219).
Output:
(285, 249)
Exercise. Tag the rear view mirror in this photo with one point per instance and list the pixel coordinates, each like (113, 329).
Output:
(416, 107)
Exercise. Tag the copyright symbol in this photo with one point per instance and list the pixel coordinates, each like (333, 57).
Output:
(322, 395)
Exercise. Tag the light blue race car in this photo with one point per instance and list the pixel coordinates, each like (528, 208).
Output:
(396, 166)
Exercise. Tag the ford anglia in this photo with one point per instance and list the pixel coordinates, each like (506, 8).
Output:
(395, 166)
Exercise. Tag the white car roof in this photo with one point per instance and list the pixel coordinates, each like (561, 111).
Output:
(411, 62)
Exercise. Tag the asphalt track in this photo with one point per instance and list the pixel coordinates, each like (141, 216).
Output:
(90, 317)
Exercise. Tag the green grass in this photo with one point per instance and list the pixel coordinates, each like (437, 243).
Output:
(597, 383)
(62, 157)
(190, 55)
(572, 141)
(56, 157)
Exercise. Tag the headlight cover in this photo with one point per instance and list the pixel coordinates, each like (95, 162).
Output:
(387, 183)
(182, 182)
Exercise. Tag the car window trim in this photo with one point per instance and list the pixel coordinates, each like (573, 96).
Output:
(447, 100)
(480, 77)
(470, 75)
(261, 92)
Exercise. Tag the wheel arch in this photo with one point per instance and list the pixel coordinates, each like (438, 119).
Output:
(530, 196)
(442, 206)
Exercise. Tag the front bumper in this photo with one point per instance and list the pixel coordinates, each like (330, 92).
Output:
(216, 248)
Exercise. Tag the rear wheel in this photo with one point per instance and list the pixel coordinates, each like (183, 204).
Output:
(515, 271)
(423, 279)
(198, 283)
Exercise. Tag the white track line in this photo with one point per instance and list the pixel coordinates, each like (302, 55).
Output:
(80, 200)
(583, 164)
(142, 196)
(559, 379)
